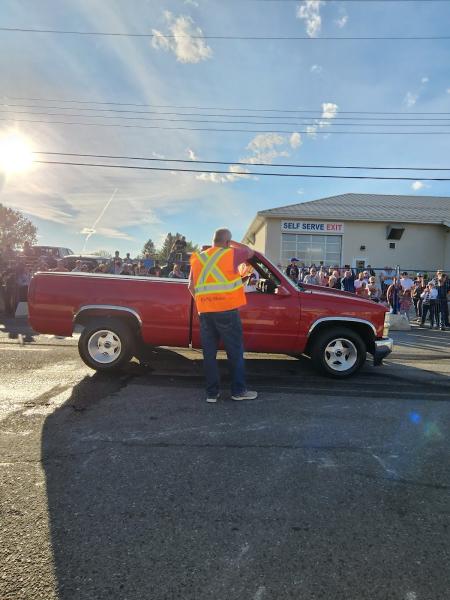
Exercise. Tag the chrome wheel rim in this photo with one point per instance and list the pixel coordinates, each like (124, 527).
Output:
(340, 354)
(104, 346)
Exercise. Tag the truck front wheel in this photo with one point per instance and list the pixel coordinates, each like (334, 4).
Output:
(338, 352)
(106, 344)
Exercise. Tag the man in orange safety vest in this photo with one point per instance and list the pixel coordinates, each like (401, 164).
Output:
(218, 290)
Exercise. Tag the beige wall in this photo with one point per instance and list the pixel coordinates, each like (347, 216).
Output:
(421, 246)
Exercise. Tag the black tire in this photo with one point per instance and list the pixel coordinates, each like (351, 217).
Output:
(115, 356)
(352, 347)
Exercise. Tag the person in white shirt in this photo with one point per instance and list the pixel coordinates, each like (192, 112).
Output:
(311, 278)
(429, 298)
(406, 282)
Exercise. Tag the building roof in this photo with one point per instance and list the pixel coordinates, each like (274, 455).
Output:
(369, 207)
(364, 207)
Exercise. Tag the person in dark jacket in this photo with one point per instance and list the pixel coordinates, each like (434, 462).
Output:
(347, 282)
(443, 289)
(292, 270)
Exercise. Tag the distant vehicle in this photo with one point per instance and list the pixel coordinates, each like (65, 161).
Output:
(49, 253)
(92, 260)
(335, 329)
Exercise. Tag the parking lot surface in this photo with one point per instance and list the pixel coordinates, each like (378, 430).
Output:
(132, 487)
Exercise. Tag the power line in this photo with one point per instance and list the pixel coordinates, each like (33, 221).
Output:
(326, 120)
(318, 131)
(239, 173)
(240, 163)
(341, 112)
(224, 37)
(198, 114)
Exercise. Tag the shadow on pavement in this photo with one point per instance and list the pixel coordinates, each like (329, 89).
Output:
(152, 494)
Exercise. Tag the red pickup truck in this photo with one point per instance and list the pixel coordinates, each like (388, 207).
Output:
(118, 313)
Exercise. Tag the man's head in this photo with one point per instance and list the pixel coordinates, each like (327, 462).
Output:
(222, 238)
(347, 274)
(294, 261)
(313, 270)
(405, 274)
(116, 253)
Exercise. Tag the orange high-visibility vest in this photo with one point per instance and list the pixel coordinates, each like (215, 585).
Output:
(217, 284)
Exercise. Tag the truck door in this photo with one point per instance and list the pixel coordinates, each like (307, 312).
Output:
(271, 320)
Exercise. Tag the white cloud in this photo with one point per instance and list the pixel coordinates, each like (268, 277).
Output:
(262, 141)
(417, 185)
(309, 11)
(265, 157)
(316, 69)
(311, 130)
(235, 172)
(192, 3)
(424, 80)
(191, 154)
(295, 140)
(187, 49)
(300, 191)
(410, 99)
(342, 21)
(448, 90)
(329, 110)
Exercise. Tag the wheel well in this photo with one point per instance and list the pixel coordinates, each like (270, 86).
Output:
(363, 330)
(84, 316)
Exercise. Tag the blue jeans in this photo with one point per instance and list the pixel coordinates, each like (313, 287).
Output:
(225, 326)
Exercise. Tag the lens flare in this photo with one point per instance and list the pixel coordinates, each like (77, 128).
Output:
(16, 154)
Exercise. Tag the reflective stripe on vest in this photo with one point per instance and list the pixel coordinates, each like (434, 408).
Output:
(221, 283)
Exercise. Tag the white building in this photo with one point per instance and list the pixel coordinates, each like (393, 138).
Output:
(359, 230)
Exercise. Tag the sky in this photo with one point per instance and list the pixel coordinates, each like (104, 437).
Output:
(87, 208)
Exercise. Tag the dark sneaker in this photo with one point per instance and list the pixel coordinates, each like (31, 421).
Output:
(247, 395)
(212, 399)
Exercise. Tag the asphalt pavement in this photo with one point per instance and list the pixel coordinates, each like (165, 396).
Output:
(131, 487)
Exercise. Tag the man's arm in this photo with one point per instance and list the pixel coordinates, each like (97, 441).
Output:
(239, 246)
(242, 253)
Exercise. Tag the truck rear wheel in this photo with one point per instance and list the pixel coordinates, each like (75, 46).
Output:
(106, 344)
(338, 352)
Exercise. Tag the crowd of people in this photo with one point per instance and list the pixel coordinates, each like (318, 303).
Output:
(17, 269)
(428, 295)
(423, 297)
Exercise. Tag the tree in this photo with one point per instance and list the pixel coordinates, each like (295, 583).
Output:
(15, 228)
(149, 247)
(164, 251)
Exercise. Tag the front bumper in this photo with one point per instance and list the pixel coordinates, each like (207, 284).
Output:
(383, 347)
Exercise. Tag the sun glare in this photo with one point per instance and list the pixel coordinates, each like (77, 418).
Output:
(16, 155)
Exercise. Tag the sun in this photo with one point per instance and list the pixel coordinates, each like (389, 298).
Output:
(16, 154)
